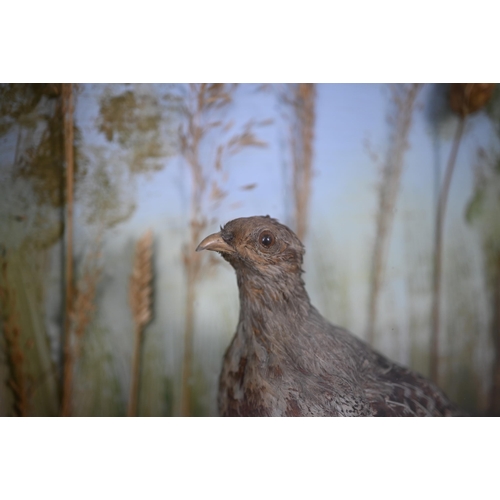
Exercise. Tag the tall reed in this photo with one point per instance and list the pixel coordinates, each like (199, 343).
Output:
(68, 111)
(465, 98)
(300, 98)
(403, 99)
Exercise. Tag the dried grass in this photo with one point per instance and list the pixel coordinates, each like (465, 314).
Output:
(203, 111)
(465, 98)
(140, 299)
(17, 381)
(403, 97)
(67, 110)
(80, 316)
(302, 149)
(299, 100)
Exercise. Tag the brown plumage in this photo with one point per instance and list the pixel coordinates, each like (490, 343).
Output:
(285, 358)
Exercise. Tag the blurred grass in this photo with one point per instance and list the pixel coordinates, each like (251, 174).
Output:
(97, 391)
(336, 265)
(25, 274)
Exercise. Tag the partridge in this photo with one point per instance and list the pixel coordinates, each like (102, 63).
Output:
(286, 359)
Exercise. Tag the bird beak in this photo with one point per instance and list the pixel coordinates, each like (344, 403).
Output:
(215, 243)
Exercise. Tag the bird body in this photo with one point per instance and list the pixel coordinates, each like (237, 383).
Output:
(285, 358)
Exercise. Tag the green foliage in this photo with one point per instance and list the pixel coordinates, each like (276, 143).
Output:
(138, 124)
(168, 396)
(105, 196)
(43, 161)
(463, 379)
(464, 386)
(117, 117)
(475, 206)
(199, 394)
(439, 116)
(17, 102)
(484, 206)
(493, 109)
(97, 391)
(35, 110)
(141, 124)
(152, 388)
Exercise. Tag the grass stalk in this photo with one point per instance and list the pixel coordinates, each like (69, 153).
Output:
(438, 252)
(302, 137)
(12, 333)
(203, 111)
(140, 298)
(68, 361)
(403, 98)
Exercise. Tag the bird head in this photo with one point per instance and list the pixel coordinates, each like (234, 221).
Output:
(258, 244)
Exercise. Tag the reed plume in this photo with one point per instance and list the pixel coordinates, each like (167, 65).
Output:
(140, 298)
(403, 97)
(302, 101)
(298, 102)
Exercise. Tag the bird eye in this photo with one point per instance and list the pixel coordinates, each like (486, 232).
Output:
(266, 239)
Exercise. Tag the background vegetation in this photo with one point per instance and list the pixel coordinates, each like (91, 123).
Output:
(106, 190)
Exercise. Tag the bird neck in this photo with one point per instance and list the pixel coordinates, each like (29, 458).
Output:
(268, 308)
(271, 295)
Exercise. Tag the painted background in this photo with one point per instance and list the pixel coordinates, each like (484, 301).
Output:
(151, 157)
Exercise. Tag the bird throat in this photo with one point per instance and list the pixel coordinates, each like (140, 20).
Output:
(267, 302)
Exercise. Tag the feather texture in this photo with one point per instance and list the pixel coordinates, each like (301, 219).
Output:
(285, 358)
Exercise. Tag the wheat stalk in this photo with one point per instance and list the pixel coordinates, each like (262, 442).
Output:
(80, 315)
(140, 297)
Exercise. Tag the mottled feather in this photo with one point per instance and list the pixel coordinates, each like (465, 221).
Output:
(285, 358)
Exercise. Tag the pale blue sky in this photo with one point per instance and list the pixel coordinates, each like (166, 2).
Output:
(345, 177)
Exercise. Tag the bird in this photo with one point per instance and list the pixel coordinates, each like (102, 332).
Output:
(285, 358)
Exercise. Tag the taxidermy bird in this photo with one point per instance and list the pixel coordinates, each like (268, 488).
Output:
(285, 358)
